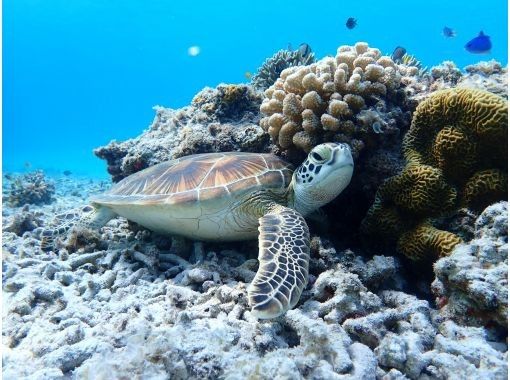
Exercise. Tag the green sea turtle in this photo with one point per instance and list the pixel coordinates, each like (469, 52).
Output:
(236, 196)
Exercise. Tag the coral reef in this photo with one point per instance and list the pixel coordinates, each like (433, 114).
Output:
(30, 188)
(471, 284)
(487, 75)
(218, 120)
(271, 69)
(228, 102)
(355, 97)
(455, 157)
(445, 75)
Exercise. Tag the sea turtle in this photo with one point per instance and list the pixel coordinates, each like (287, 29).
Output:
(227, 197)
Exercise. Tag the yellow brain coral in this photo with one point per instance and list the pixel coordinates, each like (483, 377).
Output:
(456, 156)
(427, 242)
(453, 119)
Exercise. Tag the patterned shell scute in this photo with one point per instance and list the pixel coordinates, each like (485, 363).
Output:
(200, 177)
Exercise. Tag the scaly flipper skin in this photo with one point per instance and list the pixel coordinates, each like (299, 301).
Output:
(88, 217)
(284, 253)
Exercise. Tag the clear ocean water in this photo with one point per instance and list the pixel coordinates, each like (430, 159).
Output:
(77, 74)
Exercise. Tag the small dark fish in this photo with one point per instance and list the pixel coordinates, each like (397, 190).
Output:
(304, 50)
(449, 32)
(27, 165)
(67, 173)
(479, 45)
(398, 53)
(351, 23)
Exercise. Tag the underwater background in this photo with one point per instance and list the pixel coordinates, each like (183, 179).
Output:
(78, 74)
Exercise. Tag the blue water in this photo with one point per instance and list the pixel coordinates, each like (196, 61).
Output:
(78, 73)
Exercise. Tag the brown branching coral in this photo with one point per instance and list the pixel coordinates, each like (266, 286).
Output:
(30, 188)
(346, 98)
(455, 156)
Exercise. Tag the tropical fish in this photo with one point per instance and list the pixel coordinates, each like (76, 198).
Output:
(27, 165)
(67, 173)
(449, 32)
(351, 23)
(304, 49)
(248, 75)
(398, 53)
(479, 45)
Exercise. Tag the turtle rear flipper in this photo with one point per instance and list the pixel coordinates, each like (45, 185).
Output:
(284, 253)
(88, 216)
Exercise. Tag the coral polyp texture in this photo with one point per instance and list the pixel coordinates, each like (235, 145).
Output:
(456, 156)
(31, 188)
(347, 98)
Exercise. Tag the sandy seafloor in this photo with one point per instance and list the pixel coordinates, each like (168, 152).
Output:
(126, 303)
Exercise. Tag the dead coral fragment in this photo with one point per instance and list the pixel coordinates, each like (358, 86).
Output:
(455, 156)
(30, 188)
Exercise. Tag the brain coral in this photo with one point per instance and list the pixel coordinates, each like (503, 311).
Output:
(456, 156)
(346, 98)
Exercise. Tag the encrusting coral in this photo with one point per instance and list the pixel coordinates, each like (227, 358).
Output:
(347, 98)
(455, 156)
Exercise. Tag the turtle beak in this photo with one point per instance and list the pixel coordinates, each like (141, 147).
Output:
(341, 156)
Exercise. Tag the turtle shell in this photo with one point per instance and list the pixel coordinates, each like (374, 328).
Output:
(199, 177)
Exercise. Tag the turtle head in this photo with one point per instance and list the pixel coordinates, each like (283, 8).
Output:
(325, 173)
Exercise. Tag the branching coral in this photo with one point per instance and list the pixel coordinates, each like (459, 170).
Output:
(271, 69)
(31, 188)
(455, 156)
(345, 98)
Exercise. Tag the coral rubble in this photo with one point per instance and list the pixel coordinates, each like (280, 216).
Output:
(471, 284)
(135, 308)
(455, 157)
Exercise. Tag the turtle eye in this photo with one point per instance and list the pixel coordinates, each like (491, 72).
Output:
(317, 156)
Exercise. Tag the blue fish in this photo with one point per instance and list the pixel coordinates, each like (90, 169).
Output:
(479, 45)
(351, 23)
(449, 32)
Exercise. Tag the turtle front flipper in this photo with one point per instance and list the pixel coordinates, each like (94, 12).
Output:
(284, 253)
(88, 216)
